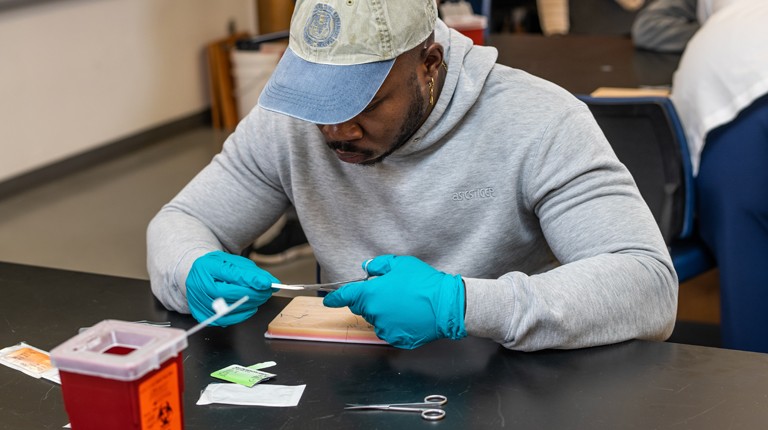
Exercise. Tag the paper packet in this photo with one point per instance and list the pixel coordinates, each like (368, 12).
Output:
(33, 361)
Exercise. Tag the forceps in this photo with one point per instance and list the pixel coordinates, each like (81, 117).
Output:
(429, 408)
(328, 286)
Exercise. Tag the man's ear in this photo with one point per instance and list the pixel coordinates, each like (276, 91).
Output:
(433, 58)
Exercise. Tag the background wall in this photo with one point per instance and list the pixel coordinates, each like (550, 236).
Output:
(77, 74)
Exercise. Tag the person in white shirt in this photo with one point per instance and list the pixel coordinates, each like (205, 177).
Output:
(720, 92)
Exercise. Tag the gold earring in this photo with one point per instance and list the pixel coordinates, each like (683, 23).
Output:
(431, 85)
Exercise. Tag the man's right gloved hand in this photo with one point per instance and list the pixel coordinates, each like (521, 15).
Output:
(409, 303)
(219, 274)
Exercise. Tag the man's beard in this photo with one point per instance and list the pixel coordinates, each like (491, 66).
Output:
(416, 112)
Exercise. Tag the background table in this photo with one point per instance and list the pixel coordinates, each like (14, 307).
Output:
(581, 64)
(632, 385)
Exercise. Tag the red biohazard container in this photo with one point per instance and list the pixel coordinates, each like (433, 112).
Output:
(472, 26)
(120, 375)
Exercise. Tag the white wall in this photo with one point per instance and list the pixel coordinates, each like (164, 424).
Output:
(76, 74)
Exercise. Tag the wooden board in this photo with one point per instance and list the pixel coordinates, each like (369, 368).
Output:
(305, 318)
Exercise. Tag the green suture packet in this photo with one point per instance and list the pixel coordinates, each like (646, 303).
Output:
(242, 375)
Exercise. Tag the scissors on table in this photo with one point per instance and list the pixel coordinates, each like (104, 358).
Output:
(429, 408)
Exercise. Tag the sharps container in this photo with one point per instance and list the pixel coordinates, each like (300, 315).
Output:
(472, 26)
(122, 375)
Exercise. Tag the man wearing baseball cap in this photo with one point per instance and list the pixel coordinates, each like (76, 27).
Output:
(480, 199)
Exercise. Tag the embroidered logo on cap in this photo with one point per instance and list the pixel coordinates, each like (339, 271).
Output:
(322, 28)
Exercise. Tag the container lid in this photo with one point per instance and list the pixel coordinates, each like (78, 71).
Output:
(119, 350)
(466, 22)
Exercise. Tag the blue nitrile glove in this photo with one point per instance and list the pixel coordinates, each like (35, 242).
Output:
(218, 274)
(408, 304)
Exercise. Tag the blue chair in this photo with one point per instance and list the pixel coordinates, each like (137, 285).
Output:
(648, 138)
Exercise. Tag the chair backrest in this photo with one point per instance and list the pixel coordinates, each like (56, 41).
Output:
(647, 137)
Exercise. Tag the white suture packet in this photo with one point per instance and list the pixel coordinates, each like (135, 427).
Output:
(258, 395)
(33, 361)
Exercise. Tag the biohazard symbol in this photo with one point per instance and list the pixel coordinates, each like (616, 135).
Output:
(165, 414)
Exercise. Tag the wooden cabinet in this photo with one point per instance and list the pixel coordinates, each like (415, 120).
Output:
(274, 15)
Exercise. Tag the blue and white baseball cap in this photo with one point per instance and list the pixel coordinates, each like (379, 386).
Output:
(340, 52)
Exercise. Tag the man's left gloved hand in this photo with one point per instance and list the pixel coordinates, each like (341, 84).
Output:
(219, 274)
(409, 303)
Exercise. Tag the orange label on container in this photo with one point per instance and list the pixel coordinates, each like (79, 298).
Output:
(160, 400)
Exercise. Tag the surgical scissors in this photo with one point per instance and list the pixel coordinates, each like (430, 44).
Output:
(430, 408)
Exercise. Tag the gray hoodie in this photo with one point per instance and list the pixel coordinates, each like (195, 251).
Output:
(509, 182)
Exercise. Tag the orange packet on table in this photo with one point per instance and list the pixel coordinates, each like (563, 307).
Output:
(33, 361)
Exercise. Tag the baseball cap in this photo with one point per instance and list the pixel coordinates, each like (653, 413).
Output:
(340, 52)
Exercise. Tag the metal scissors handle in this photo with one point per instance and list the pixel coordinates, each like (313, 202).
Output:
(429, 408)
